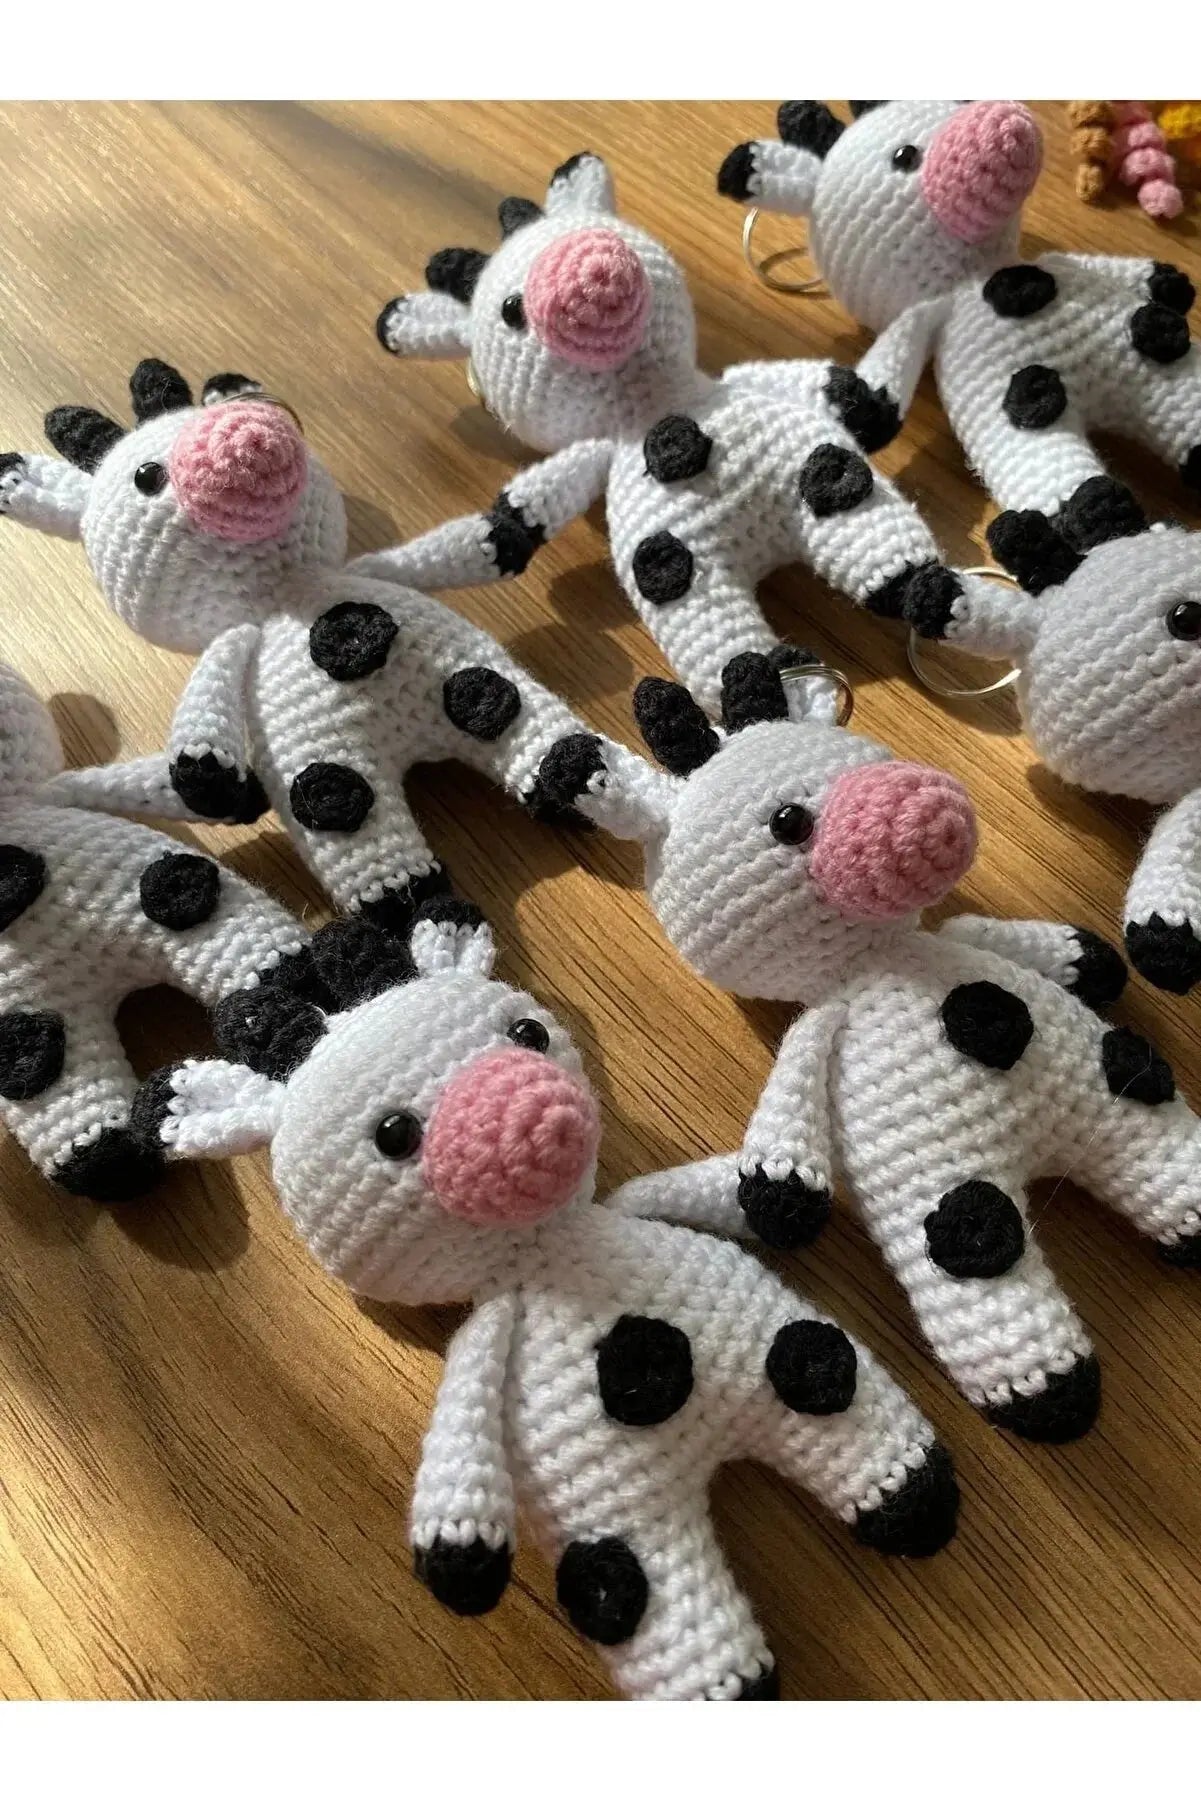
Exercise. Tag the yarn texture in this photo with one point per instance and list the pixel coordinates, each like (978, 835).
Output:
(611, 1362)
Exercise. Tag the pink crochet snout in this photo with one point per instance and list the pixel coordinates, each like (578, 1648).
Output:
(587, 297)
(980, 166)
(892, 838)
(510, 1139)
(239, 471)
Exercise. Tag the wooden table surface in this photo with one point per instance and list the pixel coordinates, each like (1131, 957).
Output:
(206, 1446)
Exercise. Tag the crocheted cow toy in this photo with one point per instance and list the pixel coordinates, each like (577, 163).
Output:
(93, 907)
(582, 341)
(914, 218)
(936, 1073)
(439, 1145)
(217, 529)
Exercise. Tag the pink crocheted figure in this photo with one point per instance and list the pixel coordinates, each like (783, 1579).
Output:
(1143, 160)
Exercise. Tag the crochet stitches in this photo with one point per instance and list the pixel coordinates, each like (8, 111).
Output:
(216, 529)
(936, 1073)
(93, 907)
(582, 341)
(1030, 357)
(439, 1144)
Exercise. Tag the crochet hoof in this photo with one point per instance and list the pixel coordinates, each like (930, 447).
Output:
(1100, 972)
(1065, 1409)
(734, 176)
(784, 1214)
(395, 909)
(1167, 956)
(919, 1518)
(469, 1579)
(214, 791)
(119, 1165)
(1184, 1254)
(764, 1687)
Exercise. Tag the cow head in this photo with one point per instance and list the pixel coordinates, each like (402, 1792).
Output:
(909, 199)
(191, 518)
(579, 325)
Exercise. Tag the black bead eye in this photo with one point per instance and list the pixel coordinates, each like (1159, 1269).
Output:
(792, 824)
(1184, 620)
(513, 312)
(150, 478)
(530, 1034)
(398, 1134)
(906, 158)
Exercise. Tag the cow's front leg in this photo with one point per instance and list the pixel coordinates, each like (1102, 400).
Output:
(1070, 956)
(209, 769)
(786, 1162)
(1163, 903)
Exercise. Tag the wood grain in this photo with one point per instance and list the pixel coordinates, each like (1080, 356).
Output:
(207, 1446)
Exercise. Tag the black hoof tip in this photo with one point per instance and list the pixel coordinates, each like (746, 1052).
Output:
(469, 1579)
(784, 1214)
(736, 173)
(764, 1687)
(119, 1165)
(1167, 956)
(9, 461)
(1184, 1254)
(1100, 971)
(385, 320)
(396, 908)
(1065, 1409)
(929, 601)
(920, 1518)
(214, 790)
(1190, 469)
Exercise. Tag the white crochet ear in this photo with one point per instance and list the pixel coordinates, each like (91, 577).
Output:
(44, 492)
(427, 325)
(219, 1109)
(581, 184)
(452, 935)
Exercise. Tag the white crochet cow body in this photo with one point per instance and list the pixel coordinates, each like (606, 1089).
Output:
(93, 907)
(581, 337)
(914, 222)
(216, 529)
(935, 1074)
(439, 1144)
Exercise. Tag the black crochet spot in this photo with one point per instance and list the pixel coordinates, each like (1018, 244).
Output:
(643, 1370)
(394, 910)
(602, 1588)
(736, 172)
(1097, 511)
(810, 125)
(928, 602)
(565, 772)
(352, 640)
(1169, 956)
(118, 1165)
(33, 1047)
(1035, 397)
(469, 1579)
(1159, 333)
(331, 797)
(1020, 290)
(1134, 1068)
(920, 1517)
(216, 790)
(675, 729)
(871, 415)
(1063, 1410)
(812, 1366)
(1100, 971)
(512, 536)
(480, 702)
(784, 1213)
(180, 890)
(22, 879)
(764, 1687)
(834, 480)
(455, 272)
(155, 388)
(270, 1028)
(976, 1230)
(1029, 546)
(662, 568)
(676, 449)
(1170, 286)
(1190, 468)
(987, 1023)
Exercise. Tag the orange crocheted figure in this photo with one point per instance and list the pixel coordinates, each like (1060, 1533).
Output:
(1122, 140)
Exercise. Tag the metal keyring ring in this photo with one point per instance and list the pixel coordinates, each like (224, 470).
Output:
(990, 571)
(763, 271)
(801, 672)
